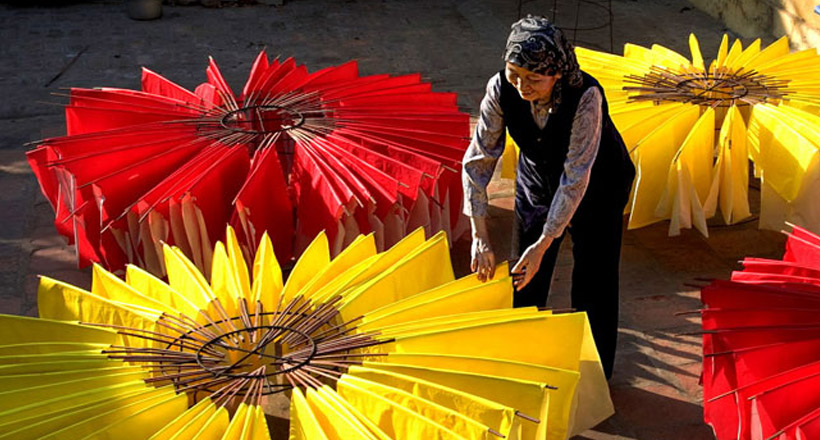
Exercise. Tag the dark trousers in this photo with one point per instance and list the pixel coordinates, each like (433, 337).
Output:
(596, 252)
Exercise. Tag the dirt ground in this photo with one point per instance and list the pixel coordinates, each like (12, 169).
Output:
(454, 44)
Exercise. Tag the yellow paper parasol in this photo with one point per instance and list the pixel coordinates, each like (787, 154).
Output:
(690, 128)
(367, 345)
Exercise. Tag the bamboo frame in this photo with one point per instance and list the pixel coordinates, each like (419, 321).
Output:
(720, 88)
(229, 357)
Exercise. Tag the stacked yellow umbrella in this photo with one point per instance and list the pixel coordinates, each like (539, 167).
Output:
(691, 128)
(367, 345)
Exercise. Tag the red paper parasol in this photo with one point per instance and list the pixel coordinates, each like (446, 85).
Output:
(761, 346)
(295, 153)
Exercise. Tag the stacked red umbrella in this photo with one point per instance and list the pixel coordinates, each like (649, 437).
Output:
(295, 153)
(761, 346)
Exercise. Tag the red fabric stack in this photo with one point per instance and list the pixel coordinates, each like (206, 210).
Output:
(761, 346)
(294, 154)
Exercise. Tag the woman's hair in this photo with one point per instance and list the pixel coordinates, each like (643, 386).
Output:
(539, 46)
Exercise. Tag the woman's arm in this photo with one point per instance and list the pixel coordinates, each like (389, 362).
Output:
(484, 151)
(478, 166)
(584, 141)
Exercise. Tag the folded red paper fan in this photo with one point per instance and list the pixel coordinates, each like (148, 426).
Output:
(294, 153)
(761, 346)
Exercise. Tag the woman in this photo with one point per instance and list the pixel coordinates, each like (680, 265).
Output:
(574, 174)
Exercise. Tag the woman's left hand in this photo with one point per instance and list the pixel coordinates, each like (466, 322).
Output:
(529, 263)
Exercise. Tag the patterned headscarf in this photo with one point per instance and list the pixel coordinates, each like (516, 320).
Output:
(539, 46)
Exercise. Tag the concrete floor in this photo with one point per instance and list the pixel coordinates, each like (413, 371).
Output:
(454, 44)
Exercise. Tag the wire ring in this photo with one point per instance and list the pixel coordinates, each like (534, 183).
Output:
(231, 120)
(215, 340)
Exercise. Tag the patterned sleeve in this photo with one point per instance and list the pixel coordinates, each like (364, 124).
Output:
(484, 151)
(585, 139)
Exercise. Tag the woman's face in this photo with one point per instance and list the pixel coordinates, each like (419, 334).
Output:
(530, 85)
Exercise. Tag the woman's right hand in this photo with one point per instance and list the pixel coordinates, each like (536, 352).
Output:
(483, 259)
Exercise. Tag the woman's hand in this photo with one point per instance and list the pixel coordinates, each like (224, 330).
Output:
(483, 259)
(529, 263)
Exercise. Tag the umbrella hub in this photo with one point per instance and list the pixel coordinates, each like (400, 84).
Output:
(715, 88)
(258, 351)
(262, 120)
(253, 354)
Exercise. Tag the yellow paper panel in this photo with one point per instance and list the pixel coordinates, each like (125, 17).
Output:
(803, 59)
(10, 399)
(733, 168)
(492, 339)
(267, 274)
(372, 267)
(153, 287)
(670, 57)
(775, 50)
(451, 420)
(690, 177)
(223, 283)
(142, 423)
(640, 53)
(107, 285)
(342, 406)
(576, 353)
(694, 48)
(303, 423)
(234, 431)
(499, 417)
(785, 154)
(437, 324)
(394, 419)
(215, 426)
(185, 278)
(177, 425)
(240, 261)
(734, 53)
(21, 381)
(336, 425)
(68, 408)
(65, 356)
(593, 60)
(653, 157)
(102, 420)
(260, 425)
(424, 268)
(61, 364)
(362, 248)
(239, 269)
(43, 418)
(750, 52)
(345, 281)
(562, 383)
(48, 347)
(312, 261)
(528, 397)
(635, 121)
(723, 51)
(495, 294)
(60, 301)
(22, 329)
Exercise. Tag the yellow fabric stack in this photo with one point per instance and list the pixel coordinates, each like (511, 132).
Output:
(450, 358)
(692, 129)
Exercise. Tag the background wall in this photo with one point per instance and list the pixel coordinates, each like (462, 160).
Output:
(756, 18)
